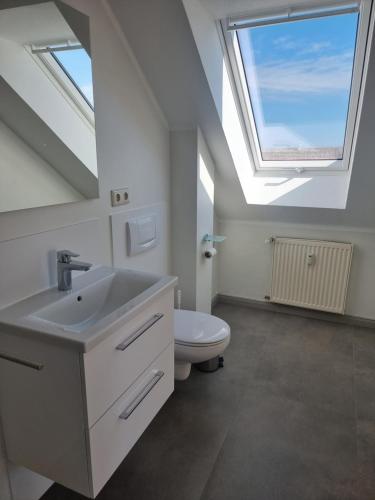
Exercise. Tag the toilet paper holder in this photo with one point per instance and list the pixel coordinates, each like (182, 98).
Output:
(212, 238)
(210, 252)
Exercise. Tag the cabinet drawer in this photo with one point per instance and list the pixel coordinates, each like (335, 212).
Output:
(112, 366)
(113, 436)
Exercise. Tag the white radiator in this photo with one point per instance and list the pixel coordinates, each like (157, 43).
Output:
(310, 273)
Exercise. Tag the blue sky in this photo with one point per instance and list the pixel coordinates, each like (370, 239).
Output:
(78, 64)
(299, 75)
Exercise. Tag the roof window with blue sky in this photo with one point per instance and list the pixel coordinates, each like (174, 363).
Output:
(299, 77)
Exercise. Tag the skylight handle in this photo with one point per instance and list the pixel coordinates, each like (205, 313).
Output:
(57, 47)
(268, 18)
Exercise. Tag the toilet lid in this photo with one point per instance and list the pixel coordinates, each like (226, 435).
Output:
(191, 327)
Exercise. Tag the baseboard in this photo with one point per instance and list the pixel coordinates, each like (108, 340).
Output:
(215, 300)
(296, 311)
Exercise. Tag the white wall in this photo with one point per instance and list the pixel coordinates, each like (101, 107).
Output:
(133, 151)
(216, 263)
(184, 213)
(193, 175)
(26, 179)
(205, 225)
(246, 261)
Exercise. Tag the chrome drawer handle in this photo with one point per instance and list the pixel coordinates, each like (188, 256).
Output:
(19, 361)
(139, 332)
(141, 396)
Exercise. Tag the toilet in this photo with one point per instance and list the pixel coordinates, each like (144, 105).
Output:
(198, 337)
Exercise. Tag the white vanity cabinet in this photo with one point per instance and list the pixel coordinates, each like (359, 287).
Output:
(75, 418)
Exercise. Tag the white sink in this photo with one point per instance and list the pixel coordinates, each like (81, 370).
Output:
(81, 309)
(100, 299)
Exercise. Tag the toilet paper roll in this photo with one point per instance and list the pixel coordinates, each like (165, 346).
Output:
(210, 252)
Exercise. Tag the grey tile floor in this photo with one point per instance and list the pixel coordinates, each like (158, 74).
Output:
(291, 416)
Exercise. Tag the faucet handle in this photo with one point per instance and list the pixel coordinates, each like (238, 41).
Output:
(65, 256)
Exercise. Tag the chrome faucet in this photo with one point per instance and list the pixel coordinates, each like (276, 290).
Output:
(65, 266)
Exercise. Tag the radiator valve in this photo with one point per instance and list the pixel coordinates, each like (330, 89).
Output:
(310, 259)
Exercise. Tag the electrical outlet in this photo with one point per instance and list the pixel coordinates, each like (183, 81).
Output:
(119, 197)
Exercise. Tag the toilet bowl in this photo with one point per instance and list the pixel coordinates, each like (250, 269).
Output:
(198, 337)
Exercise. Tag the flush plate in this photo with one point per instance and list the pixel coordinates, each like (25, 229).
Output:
(142, 234)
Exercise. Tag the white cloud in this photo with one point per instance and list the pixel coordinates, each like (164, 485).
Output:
(285, 43)
(300, 46)
(315, 48)
(325, 74)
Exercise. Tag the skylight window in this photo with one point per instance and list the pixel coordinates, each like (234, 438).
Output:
(69, 68)
(298, 77)
(76, 64)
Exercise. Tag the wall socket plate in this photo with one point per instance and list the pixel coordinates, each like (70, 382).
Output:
(120, 197)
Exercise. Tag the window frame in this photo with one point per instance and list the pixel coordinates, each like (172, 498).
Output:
(239, 81)
(66, 73)
(55, 71)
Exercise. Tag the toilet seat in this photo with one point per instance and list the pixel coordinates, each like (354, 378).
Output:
(196, 329)
(191, 344)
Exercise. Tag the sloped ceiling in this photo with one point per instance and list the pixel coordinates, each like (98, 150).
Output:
(160, 36)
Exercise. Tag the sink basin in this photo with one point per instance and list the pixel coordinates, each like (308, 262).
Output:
(99, 299)
(82, 309)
